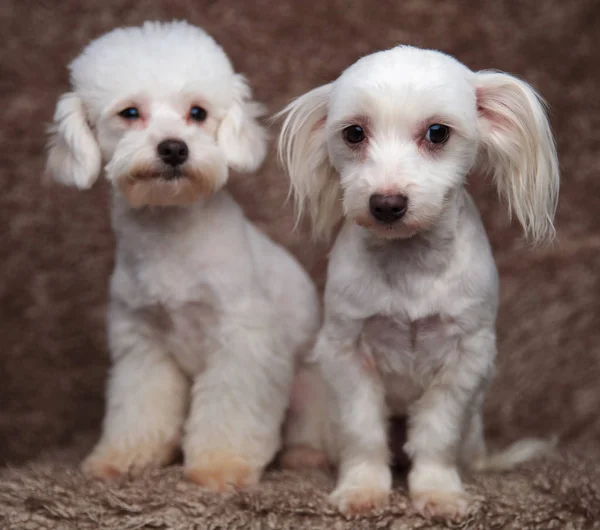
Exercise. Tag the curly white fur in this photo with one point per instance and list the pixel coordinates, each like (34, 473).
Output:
(207, 315)
(410, 305)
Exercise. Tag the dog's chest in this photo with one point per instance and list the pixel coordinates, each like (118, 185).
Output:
(182, 304)
(412, 334)
(180, 291)
(190, 334)
(174, 281)
(407, 353)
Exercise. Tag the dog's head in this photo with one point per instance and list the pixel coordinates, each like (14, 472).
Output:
(392, 139)
(161, 105)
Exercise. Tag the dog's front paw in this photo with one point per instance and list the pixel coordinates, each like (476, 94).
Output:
(363, 487)
(104, 468)
(304, 457)
(436, 491)
(109, 461)
(441, 505)
(356, 501)
(221, 471)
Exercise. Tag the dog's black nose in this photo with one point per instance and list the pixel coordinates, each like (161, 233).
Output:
(388, 208)
(172, 152)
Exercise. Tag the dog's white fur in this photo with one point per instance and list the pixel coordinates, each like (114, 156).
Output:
(207, 315)
(410, 308)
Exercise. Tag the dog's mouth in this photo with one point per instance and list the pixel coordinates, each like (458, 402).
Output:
(400, 229)
(162, 173)
(368, 221)
(173, 173)
(159, 185)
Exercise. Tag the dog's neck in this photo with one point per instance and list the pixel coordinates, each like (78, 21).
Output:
(154, 222)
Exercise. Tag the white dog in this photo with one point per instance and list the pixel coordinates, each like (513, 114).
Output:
(207, 315)
(412, 289)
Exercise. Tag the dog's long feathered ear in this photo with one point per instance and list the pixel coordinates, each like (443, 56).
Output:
(241, 137)
(303, 153)
(73, 154)
(518, 150)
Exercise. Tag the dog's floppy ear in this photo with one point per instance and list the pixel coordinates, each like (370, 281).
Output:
(73, 155)
(518, 150)
(303, 153)
(241, 137)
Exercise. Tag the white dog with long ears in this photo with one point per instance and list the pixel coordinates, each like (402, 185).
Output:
(412, 288)
(207, 315)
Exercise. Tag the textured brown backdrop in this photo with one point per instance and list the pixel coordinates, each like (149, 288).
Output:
(56, 246)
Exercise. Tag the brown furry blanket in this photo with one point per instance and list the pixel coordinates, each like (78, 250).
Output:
(56, 254)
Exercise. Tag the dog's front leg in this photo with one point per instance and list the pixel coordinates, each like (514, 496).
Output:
(437, 424)
(364, 479)
(146, 404)
(238, 404)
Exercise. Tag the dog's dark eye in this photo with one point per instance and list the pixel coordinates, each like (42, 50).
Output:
(198, 114)
(437, 134)
(354, 134)
(130, 113)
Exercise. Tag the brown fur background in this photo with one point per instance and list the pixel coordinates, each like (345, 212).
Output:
(56, 246)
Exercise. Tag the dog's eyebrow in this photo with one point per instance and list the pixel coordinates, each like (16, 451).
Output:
(359, 119)
(455, 123)
(137, 99)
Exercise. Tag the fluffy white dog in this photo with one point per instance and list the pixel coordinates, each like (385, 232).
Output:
(207, 315)
(412, 289)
